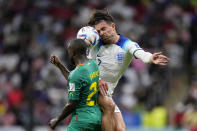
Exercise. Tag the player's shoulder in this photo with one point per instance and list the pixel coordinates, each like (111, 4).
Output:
(77, 71)
(123, 39)
(81, 68)
(84, 68)
(77, 75)
(123, 42)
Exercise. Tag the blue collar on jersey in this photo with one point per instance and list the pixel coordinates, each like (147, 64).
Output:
(121, 41)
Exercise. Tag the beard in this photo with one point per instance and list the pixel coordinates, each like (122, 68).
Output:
(107, 40)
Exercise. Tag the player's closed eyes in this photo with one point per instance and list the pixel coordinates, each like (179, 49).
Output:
(103, 29)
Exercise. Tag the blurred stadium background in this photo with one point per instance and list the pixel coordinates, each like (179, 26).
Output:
(32, 91)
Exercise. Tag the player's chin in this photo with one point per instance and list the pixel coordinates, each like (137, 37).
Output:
(106, 41)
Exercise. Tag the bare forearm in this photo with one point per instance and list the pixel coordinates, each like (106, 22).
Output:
(68, 109)
(64, 70)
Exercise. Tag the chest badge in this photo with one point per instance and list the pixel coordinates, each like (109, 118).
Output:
(119, 57)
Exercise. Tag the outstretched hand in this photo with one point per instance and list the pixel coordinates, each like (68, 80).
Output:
(54, 60)
(159, 59)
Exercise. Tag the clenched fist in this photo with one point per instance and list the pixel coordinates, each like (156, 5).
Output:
(54, 60)
(53, 123)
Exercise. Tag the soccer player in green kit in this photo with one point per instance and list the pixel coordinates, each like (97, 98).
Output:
(82, 91)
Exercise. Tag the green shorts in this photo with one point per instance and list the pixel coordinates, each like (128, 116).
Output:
(86, 119)
(79, 126)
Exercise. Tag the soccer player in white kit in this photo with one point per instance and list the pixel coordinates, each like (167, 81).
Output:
(113, 56)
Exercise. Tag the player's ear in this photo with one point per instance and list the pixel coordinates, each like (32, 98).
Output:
(113, 26)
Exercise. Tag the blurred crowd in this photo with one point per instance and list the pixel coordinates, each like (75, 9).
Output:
(32, 90)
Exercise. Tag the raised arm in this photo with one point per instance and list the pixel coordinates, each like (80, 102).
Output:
(155, 58)
(68, 109)
(55, 61)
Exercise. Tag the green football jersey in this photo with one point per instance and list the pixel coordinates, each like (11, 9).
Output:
(83, 86)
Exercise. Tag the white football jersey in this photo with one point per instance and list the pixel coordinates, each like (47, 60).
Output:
(113, 60)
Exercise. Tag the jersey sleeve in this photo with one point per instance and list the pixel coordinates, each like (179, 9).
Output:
(131, 46)
(137, 51)
(75, 85)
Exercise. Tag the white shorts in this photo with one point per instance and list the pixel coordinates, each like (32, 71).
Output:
(116, 109)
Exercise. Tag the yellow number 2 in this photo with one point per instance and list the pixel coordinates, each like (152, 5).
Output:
(89, 102)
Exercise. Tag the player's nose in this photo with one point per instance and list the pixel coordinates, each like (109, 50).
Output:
(101, 33)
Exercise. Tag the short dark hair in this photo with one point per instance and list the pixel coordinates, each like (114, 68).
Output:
(98, 15)
(78, 46)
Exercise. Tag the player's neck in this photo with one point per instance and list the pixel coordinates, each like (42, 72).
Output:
(116, 38)
(81, 60)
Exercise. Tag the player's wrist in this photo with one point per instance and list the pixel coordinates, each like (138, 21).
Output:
(58, 120)
(151, 60)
